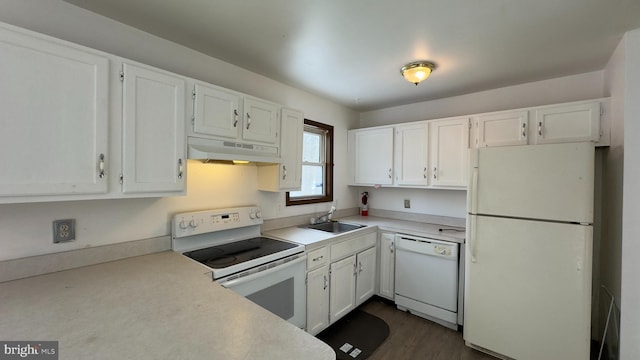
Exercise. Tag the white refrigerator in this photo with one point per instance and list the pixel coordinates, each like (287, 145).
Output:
(529, 251)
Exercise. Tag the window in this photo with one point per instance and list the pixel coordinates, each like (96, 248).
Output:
(317, 165)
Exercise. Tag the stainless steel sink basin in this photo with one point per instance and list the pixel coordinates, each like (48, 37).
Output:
(335, 227)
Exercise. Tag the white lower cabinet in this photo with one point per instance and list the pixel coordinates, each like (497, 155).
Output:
(317, 300)
(387, 265)
(365, 275)
(343, 288)
(352, 277)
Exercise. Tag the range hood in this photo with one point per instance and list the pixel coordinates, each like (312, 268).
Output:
(216, 149)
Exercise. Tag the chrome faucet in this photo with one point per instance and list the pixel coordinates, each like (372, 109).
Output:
(326, 217)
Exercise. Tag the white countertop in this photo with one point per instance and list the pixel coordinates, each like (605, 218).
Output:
(157, 306)
(309, 237)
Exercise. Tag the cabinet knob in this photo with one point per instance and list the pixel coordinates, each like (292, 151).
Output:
(435, 173)
(524, 129)
(390, 173)
(248, 120)
(180, 168)
(235, 117)
(284, 172)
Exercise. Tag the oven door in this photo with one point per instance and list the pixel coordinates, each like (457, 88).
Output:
(280, 289)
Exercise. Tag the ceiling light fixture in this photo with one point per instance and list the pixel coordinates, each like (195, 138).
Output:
(417, 71)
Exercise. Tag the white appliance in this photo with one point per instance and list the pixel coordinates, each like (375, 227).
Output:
(228, 242)
(426, 278)
(529, 251)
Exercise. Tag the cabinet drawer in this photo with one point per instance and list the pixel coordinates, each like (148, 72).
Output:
(352, 246)
(317, 258)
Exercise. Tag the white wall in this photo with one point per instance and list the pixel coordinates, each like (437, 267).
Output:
(612, 180)
(452, 202)
(630, 286)
(564, 89)
(25, 229)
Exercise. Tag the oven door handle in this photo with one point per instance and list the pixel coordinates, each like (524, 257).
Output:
(244, 279)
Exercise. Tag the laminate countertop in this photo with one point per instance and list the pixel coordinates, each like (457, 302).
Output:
(157, 306)
(310, 237)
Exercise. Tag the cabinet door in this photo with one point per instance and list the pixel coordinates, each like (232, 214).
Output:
(387, 265)
(260, 121)
(449, 152)
(216, 112)
(568, 123)
(290, 176)
(343, 288)
(153, 130)
(411, 150)
(502, 129)
(317, 300)
(366, 278)
(53, 115)
(373, 151)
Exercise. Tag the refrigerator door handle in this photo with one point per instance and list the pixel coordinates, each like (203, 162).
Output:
(472, 195)
(473, 241)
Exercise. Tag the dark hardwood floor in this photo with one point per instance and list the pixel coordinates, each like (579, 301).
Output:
(412, 337)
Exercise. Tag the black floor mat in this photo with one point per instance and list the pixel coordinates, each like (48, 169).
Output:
(356, 336)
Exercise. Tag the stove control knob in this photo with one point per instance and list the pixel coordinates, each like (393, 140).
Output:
(182, 224)
(252, 215)
(193, 223)
(258, 214)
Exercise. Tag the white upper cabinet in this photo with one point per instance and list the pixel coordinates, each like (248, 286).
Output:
(372, 152)
(260, 121)
(411, 154)
(54, 117)
(286, 176)
(567, 123)
(502, 129)
(216, 111)
(153, 130)
(449, 140)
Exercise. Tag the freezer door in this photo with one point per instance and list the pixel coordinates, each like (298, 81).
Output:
(549, 182)
(528, 288)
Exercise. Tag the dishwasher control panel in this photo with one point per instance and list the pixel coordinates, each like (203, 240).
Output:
(442, 249)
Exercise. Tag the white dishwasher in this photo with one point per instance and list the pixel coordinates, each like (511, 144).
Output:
(426, 282)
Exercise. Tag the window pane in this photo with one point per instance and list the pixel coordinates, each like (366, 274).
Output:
(312, 181)
(311, 147)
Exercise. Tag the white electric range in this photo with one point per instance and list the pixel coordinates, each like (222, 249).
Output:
(228, 242)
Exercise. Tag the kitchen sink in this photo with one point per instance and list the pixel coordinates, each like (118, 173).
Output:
(335, 227)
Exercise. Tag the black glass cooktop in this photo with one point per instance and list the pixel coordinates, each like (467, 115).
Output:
(221, 256)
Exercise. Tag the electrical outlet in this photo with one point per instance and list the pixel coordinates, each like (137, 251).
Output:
(407, 203)
(64, 230)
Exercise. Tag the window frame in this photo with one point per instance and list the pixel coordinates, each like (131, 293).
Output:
(328, 170)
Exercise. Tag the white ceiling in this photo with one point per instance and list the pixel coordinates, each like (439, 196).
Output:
(351, 51)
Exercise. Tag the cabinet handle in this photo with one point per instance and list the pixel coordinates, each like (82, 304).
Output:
(424, 173)
(284, 172)
(326, 283)
(248, 120)
(355, 269)
(389, 173)
(180, 168)
(540, 128)
(360, 265)
(435, 173)
(235, 118)
(391, 247)
(318, 258)
(101, 166)
(524, 129)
